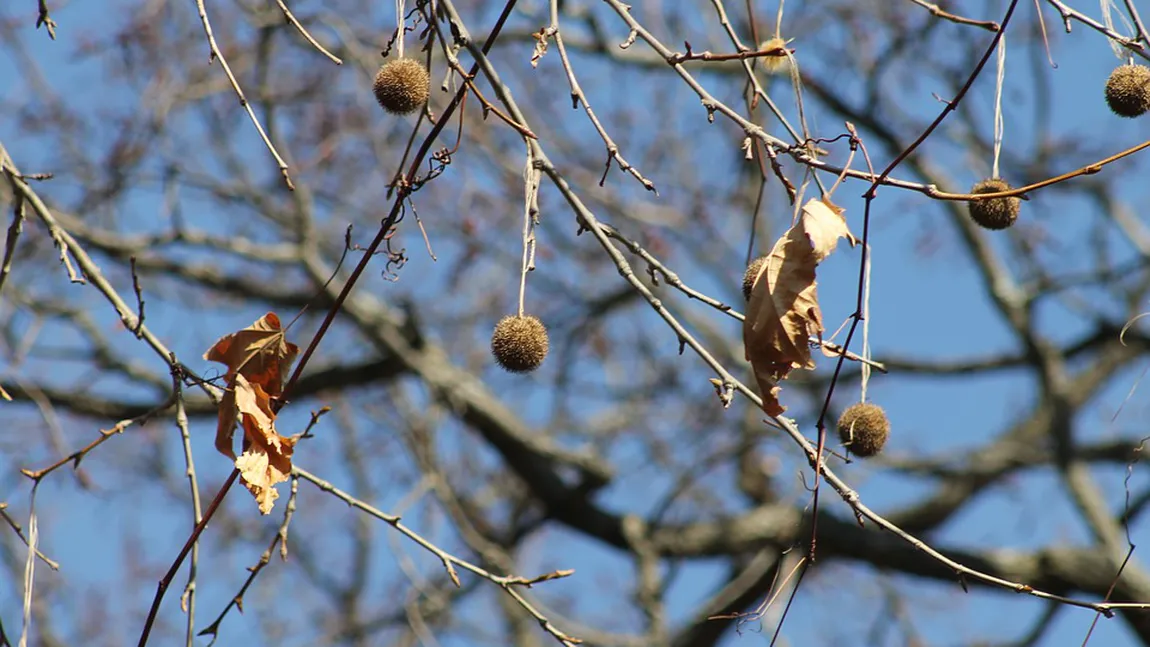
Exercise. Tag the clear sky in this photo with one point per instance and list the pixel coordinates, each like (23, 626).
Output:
(926, 303)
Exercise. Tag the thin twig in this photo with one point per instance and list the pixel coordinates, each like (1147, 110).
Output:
(46, 20)
(20, 533)
(30, 566)
(188, 599)
(488, 107)
(1133, 11)
(937, 11)
(303, 32)
(75, 457)
(1089, 169)
(92, 271)
(676, 282)
(507, 582)
(770, 52)
(164, 582)
(578, 96)
(1069, 15)
(950, 106)
(279, 539)
(139, 297)
(14, 231)
(1109, 592)
(217, 54)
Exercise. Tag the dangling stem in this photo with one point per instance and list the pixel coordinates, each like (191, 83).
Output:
(530, 209)
(866, 323)
(1108, 20)
(399, 25)
(998, 121)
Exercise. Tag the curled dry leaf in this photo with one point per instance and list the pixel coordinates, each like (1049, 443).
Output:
(266, 460)
(784, 309)
(260, 352)
(258, 358)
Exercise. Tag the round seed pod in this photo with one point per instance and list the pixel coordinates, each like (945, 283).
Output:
(1128, 90)
(750, 274)
(997, 213)
(864, 428)
(519, 343)
(402, 86)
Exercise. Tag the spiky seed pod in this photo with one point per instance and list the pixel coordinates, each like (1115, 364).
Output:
(1128, 90)
(519, 343)
(864, 428)
(750, 274)
(997, 213)
(402, 86)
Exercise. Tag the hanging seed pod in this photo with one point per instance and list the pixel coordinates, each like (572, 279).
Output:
(864, 428)
(519, 343)
(1128, 90)
(402, 86)
(997, 213)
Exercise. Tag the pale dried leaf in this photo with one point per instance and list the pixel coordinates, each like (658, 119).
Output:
(252, 404)
(259, 352)
(258, 358)
(266, 457)
(226, 424)
(784, 310)
(260, 473)
(255, 408)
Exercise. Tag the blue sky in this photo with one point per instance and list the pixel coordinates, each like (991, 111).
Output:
(925, 304)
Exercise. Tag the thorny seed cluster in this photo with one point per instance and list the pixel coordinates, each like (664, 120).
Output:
(864, 428)
(996, 213)
(1128, 90)
(519, 343)
(402, 86)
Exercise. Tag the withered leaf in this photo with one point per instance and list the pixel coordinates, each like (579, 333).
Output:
(259, 352)
(784, 309)
(266, 457)
(258, 358)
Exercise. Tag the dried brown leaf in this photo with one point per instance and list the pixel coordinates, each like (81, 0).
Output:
(258, 358)
(259, 352)
(266, 458)
(784, 310)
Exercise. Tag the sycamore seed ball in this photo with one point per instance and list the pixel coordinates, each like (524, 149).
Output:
(864, 428)
(402, 86)
(750, 274)
(1128, 90)
(997, 213)
(519, 343)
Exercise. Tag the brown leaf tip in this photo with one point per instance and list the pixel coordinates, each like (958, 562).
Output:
(402, 86)
(519, 343)
(1128, 90)
(864, 428)
(996, 213)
